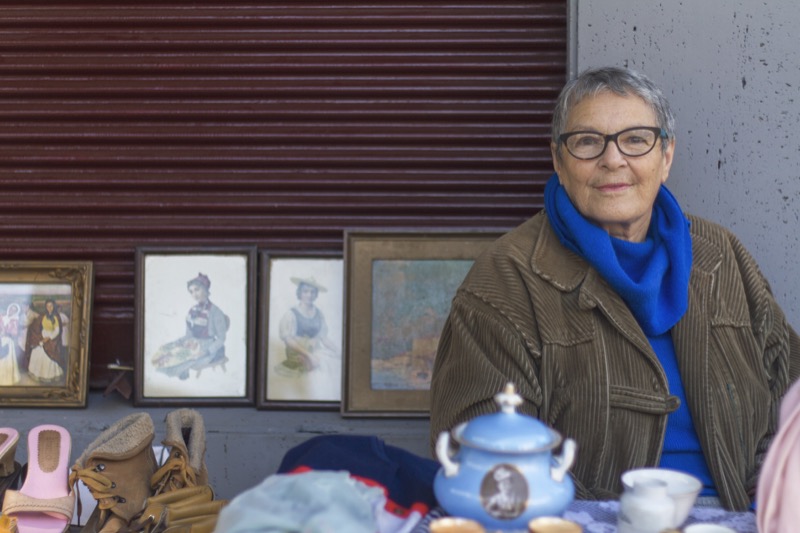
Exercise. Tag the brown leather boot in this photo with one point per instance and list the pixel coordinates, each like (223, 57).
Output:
(188, 515)
(182, 501)
(186, 440)
(160, 510)
(117, 469)
(198, 519)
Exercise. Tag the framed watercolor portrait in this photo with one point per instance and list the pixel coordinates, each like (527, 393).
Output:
(195, 326)
(300, 346)
(399, 286)
(45, 328)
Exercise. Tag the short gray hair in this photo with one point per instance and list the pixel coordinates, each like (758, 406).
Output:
(621, 81)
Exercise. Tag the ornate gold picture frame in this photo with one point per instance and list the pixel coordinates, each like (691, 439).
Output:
(45, 331)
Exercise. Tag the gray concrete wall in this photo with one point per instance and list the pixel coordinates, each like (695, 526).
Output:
(731, 69)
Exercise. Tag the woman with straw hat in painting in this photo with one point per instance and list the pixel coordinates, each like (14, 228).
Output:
(304, 331)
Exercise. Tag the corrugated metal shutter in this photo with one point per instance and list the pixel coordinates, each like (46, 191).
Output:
(277, 124)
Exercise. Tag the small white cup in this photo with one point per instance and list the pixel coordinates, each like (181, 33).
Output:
(707, 528)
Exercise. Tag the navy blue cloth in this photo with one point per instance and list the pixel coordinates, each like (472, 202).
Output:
(407, 477)
(658, 295)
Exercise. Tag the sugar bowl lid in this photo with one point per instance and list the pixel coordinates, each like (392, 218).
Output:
(507, 431)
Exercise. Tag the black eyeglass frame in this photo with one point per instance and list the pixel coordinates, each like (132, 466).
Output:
(660, 133)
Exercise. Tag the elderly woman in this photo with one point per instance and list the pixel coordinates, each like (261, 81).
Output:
(647, 335)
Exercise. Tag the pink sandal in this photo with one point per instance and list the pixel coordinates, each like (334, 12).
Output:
(45, 503)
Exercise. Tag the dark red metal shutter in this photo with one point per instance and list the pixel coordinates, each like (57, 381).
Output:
(277, 124)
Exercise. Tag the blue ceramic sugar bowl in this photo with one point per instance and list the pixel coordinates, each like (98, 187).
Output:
(501, 470)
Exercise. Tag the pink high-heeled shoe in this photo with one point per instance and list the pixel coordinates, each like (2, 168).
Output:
(44, 503)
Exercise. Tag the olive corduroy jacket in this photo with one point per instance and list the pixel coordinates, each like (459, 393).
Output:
(534, 313)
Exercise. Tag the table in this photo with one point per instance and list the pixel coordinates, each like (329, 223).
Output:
(601, 517)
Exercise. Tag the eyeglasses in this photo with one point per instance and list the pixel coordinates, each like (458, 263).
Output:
(632, 142)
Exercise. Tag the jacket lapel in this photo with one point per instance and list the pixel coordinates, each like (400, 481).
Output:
(691, 338)
(567, 271)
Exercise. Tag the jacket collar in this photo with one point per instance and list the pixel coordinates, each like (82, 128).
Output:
(566, 270)
(553, 262)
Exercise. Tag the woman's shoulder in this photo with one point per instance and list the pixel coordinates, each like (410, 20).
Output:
(718, 247)
(707, 228)
(216, 312)
(519, 242)
(709, 233)
(214, 308)
(507, 260)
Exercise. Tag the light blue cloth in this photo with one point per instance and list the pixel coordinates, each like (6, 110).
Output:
(309, 502)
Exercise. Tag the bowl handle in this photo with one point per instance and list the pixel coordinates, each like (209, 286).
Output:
(450, 468)
(564, 462)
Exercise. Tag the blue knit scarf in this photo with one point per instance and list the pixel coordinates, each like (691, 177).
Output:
(652, 277)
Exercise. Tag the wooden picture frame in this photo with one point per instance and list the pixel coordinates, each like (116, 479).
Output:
(300, 330)
(195, 325)
(45, 330)
(399, 285)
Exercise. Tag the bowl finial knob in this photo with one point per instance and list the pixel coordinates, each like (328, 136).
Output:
(508, 400)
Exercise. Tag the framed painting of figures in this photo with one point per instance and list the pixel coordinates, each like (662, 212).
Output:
(195, 326)
(300, 347)
(45, 328)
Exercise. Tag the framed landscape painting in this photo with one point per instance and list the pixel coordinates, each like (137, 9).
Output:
(399, 286)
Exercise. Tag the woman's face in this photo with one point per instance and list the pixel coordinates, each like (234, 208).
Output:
(307, 294)
(198, 292)
(614, 191)
(50, 307)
